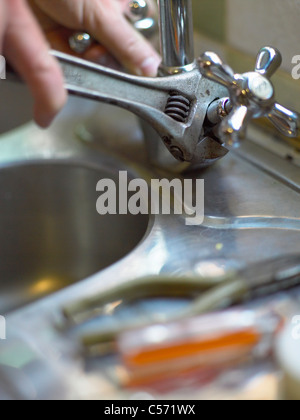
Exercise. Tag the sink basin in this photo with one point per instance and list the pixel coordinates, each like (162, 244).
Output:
(51, 233)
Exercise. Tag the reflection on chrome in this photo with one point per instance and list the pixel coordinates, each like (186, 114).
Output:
(251, 222)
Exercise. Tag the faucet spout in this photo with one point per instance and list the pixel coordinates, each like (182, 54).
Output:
(176, 35)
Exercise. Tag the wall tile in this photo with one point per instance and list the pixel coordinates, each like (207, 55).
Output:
(252, 24)
(209, 17)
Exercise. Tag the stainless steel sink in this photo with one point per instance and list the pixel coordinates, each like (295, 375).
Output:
(52, 239)
(51, 234)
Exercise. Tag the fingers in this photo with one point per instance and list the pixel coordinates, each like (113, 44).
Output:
(104, 20)
(118, 35)
(28, 52)
(3, 19)
(59, 40)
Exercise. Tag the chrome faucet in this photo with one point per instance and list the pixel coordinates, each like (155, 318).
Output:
(250, 95)
(198, 108)
(176, 36)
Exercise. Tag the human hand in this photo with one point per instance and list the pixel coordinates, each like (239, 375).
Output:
(23, 44)
(104, 20)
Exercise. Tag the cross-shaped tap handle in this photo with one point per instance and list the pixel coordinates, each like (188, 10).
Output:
(252, 95)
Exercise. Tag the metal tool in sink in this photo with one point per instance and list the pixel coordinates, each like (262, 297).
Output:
(256, 281)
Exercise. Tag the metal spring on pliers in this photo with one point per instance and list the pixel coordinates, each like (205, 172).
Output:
(178, 107)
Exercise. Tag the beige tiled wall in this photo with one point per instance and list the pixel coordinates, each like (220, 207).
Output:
(246, 25)
(209, 17)
(254, 23)
(250, 24)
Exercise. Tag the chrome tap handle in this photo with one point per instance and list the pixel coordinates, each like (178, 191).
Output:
(212, 67)
(251, 94)
(268, 61)
(285, 120)
(139, 15)
(234, 127)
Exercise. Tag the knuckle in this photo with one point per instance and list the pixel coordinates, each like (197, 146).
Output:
(133, 46)
(44, 64)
